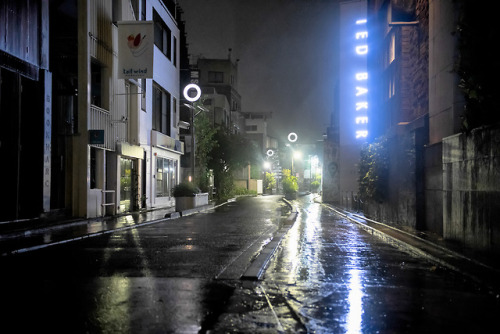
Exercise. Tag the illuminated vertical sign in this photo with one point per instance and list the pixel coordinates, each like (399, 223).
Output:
(353, 103)
(361, 80)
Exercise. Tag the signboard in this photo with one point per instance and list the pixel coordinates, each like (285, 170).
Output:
(47, 139)
(135, 49)
(353, 96)
(96, 137)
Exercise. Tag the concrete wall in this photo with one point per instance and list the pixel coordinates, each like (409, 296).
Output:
(471, 188)
(445, 99)
(433, 188)
(330, 174)
(404, 205)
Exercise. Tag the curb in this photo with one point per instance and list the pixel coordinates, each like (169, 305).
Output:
(475, 270)
(256, 269)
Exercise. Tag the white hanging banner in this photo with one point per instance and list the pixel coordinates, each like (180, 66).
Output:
(135, 49)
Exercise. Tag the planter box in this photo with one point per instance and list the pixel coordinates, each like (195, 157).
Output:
(186, 203)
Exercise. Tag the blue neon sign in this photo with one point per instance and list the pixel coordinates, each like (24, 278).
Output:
(361, 80)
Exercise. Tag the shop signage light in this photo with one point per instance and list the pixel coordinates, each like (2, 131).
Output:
(361, 79)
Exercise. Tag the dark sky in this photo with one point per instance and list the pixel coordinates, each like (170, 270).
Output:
(288, 53)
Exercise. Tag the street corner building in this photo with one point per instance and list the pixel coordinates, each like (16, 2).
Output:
(89, 104)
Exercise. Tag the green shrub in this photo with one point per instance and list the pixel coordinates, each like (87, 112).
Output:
(270, 181)
(374, 170)
(244, 191)
(185, 189)
(289, 182)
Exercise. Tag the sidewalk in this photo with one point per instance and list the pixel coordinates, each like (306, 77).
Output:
(482, 268)
(31, 234)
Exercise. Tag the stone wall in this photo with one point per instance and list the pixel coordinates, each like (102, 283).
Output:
(471, 188)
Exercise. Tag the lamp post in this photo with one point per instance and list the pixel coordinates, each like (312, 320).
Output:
(295, 155)
(292, 138)
(192, 99)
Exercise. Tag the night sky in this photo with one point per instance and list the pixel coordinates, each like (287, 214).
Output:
(288, 55)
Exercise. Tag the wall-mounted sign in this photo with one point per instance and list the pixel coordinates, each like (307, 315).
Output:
(96, 137)
(361, 80)
(135, 49)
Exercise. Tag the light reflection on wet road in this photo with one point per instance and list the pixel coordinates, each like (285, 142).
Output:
(183, 276)
(339, 279)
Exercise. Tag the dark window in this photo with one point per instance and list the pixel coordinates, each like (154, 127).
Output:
(215, 77)
(96, 84)
(143, 10)
(161, 110)
(174, 61)
(162, 36)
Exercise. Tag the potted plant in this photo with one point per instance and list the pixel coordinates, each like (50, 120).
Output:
(188, 196)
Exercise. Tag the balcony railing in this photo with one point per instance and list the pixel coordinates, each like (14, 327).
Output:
(114, 130)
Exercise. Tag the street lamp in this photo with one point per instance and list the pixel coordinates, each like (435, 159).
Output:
(192, 99)
(296, 155)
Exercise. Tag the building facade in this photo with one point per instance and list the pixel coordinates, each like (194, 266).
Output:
(25, 109)
(106, 132)
(437, 160)
(137, 165)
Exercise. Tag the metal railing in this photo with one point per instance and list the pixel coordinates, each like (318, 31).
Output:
(114, 131)
(104, 203)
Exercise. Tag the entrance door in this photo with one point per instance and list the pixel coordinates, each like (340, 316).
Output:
(126, 184)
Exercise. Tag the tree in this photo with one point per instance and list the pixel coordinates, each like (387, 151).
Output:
(231, 153)
(269, 181)
(290, 185)
(205, 144)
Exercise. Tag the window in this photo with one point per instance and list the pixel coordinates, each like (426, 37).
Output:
(161, 110)
(174, 106)
(96, 84)
(143, 10)
(174, 61)
(215, 77)
(135, 7)
(166, 176)
(143, 94)
(251, 128)
(93, 168)
(392, 49)
(163, 36)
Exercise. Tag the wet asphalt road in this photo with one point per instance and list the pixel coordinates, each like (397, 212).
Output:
(183, 276)
(330, 276)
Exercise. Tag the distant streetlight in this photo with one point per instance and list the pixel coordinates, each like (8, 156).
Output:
(296, 155)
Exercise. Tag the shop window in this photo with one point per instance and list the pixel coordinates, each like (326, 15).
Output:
(166, 176)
